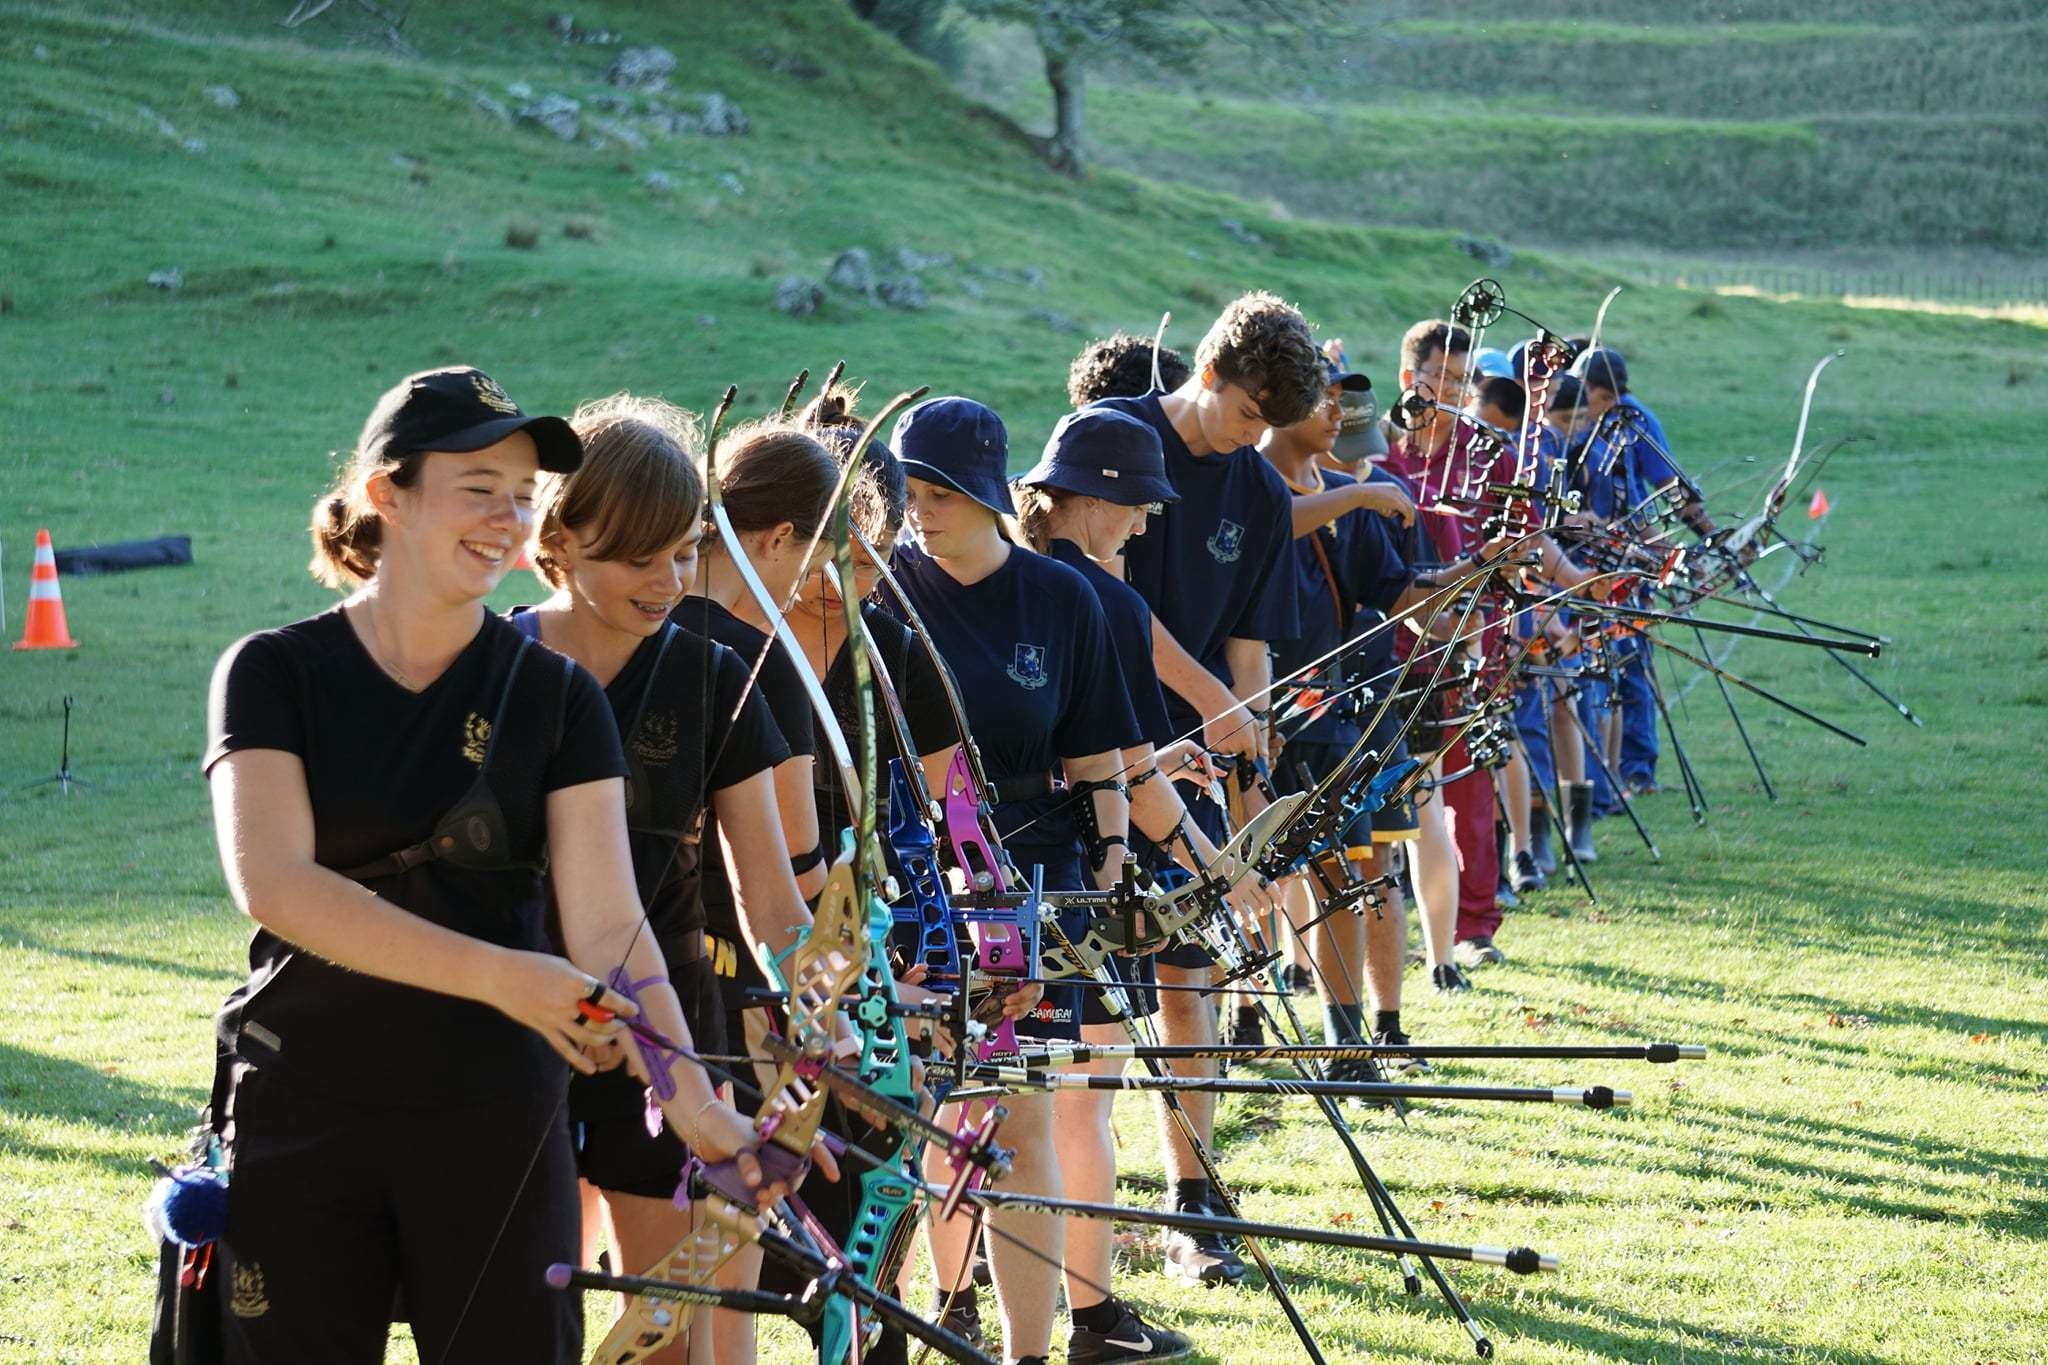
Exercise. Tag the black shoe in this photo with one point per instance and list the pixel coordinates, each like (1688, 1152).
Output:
(1539, 841)
(1357, 1069)
(1248, 1030)
(1131, 1339)
(1405, 1066)
(1504, 896)
(1298, 979)
(1448, 980)
(1202, 1257)
(983, 1276)
(1527, 876)
(1475, 952)
(963, 1319)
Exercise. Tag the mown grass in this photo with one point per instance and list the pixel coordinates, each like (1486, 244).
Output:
(1851, 1178)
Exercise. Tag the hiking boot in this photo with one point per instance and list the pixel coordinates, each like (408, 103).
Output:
(1539, 841)
(1579, 833)
(1527, 876)
(1477, 952)
(1131, 1339)
(1448, 980)
(1404, 1066)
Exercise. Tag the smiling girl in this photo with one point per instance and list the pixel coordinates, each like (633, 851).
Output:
(617, 540)
(384, 777)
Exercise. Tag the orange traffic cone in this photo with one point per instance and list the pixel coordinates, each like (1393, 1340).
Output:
(46, 627)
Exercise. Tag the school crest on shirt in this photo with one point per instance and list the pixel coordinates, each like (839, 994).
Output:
(248, 1299)
(1227, 542)
(656, 741)
(476, 736)
(1028, 669)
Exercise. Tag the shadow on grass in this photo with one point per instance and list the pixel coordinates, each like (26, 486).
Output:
(227, 974)
(1605, 1329)
(1887, 1011)
(35, 1086)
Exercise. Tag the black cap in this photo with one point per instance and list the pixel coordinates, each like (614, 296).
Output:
(460, 409)
(1103, 453)
(959, 443)
(1602, 368)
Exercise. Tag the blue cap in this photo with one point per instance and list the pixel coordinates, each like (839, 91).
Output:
(1104, 453)
(959, 443)
(1493, 362)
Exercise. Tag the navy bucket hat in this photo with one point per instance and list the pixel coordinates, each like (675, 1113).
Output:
(959, 443)
(1104, 453)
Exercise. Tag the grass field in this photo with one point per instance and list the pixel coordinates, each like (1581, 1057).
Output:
(1669, 125)
(1853, 1177)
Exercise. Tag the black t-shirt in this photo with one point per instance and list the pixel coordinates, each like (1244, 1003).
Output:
(780, 685)
(383, 765)
(1038, 676)
(1345, 589)
(925, 710)
(1130, 630)
(673, 723)
(1214, 566)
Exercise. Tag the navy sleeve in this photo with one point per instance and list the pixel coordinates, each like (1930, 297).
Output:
(1376, 574)
(1273, 610)
(253, 701)
(587, 750)
(1097, 716)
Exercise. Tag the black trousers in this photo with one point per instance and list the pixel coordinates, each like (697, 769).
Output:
(336, 1207)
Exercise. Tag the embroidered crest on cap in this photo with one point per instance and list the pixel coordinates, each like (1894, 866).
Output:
(491, 396)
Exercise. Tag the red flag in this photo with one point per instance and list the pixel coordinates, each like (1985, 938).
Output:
(1818, 508)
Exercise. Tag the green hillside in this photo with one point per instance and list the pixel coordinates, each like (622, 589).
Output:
(1677, 126)
(1849, 1180)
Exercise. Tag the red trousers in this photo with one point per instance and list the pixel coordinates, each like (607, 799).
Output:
(1469, 805)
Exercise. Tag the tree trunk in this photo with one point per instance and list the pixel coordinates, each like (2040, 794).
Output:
(1064, 74)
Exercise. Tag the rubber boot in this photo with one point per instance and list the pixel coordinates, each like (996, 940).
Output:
(1580, 795)
(1539, 839)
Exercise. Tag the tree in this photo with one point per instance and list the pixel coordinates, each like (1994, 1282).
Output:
(1072, 33)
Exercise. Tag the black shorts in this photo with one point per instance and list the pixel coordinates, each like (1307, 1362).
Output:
(607, 1112)
(336, 1207)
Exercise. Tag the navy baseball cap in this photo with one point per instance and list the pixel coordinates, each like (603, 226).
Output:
(461, 409)
(1351, 381)
(959, 443)
(1603, 368)
(1103, 453)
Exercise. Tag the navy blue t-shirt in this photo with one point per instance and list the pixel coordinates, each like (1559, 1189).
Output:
(1358, 567)
(1215, 565)
(1038, 675)
(1130, 630)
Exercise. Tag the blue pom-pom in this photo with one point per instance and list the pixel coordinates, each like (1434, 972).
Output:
(190, 1206)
